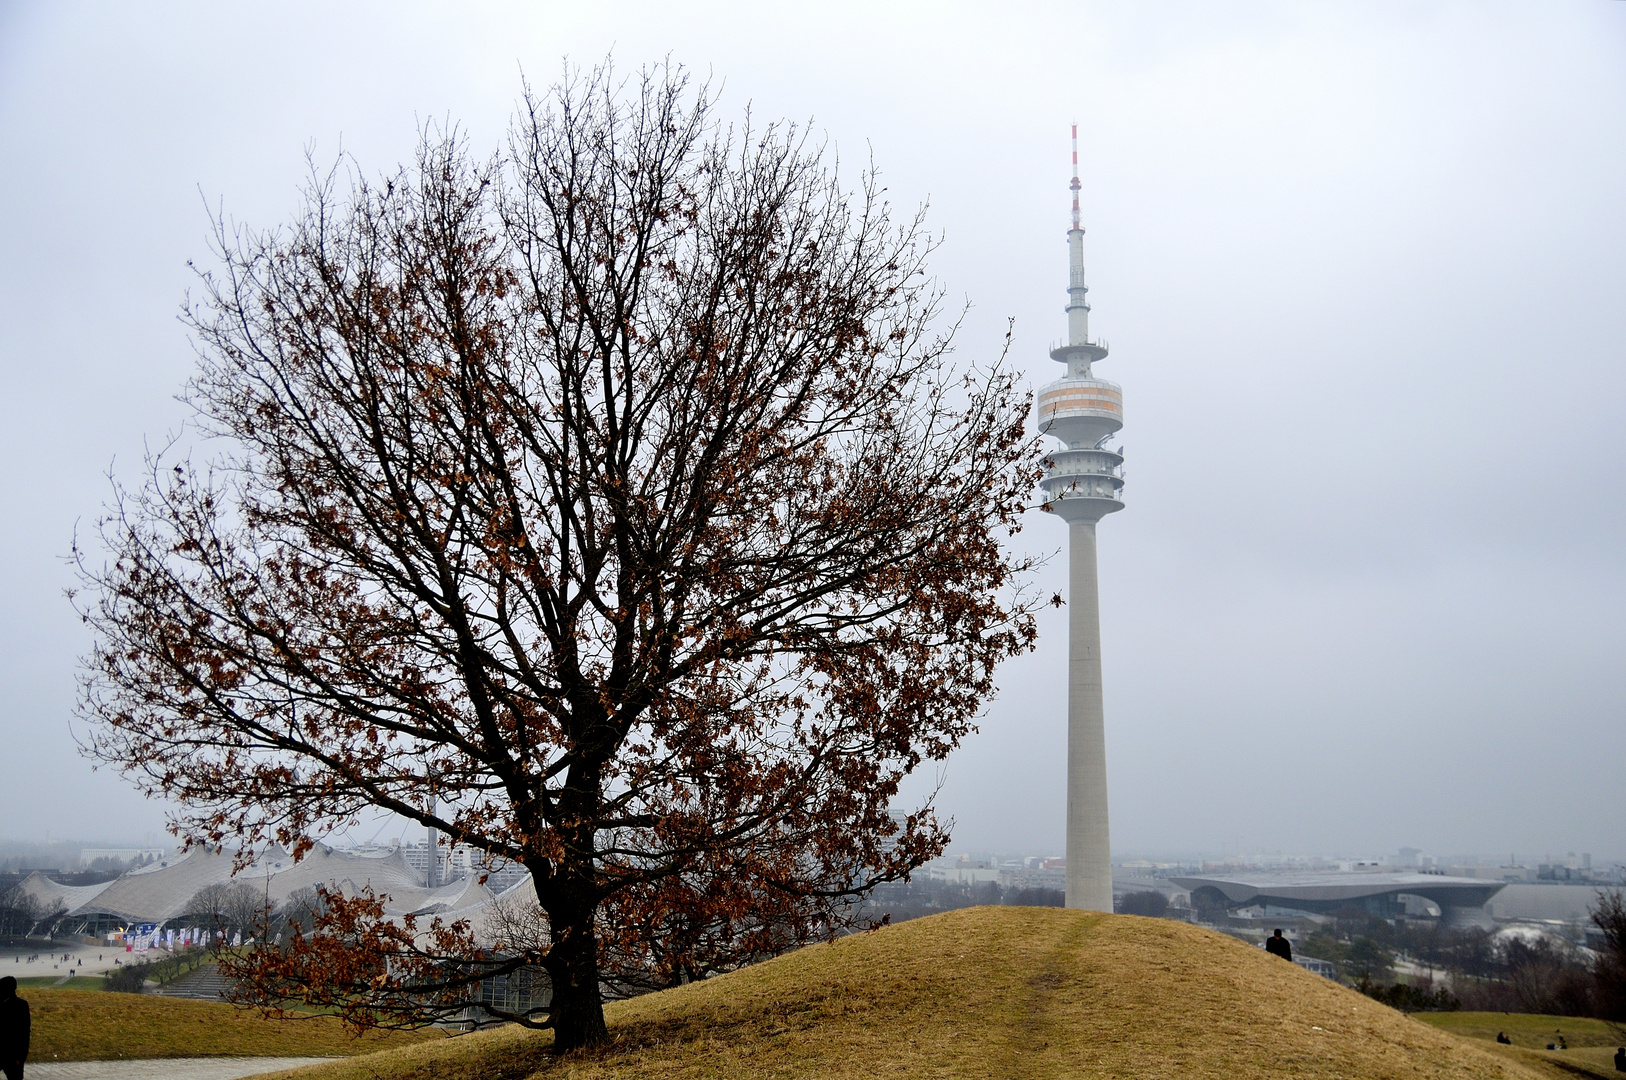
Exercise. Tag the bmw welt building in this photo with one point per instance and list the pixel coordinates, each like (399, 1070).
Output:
(1461, 900)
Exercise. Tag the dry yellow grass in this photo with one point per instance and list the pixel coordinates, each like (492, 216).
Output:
(1591, 1049)
(95, 1025)
(1527, 1029)
(988, 992)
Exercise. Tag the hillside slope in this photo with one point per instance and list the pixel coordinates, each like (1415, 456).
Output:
(987, 992)
(96, 1025)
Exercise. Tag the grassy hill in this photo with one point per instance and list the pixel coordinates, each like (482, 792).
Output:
(1591, 1042)
(1526, 1029)
(991, 992)
(94, 1025)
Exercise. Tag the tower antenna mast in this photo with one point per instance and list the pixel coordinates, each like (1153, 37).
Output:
(1076, 184)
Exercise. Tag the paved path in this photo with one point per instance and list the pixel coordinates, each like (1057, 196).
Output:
(67, 958)
(211, 1068)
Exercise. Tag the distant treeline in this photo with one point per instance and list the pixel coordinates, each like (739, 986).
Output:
(901, 901)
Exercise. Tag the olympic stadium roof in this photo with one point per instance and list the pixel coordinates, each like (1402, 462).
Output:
(162, 891)
(48, 893)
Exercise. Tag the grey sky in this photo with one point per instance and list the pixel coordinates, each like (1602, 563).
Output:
(1362, 267)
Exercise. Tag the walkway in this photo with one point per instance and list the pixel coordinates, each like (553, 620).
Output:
(210, 1068)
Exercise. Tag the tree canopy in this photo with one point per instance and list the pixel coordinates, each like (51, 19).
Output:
(613, 505)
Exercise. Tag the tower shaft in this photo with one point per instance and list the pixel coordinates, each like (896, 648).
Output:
(1089, 845)
(1078, 306)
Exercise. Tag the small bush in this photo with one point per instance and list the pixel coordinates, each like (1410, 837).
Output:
(1151, 902)
(132, 978)
(127, 979)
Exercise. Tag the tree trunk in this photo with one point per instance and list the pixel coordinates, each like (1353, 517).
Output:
(578, 1005)
(571, 903)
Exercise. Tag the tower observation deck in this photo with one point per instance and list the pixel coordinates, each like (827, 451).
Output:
(1083, 483)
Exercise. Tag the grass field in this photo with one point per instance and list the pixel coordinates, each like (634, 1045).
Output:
(1006, 993)
(1592, 1043)
(78, 982)
(94, 1025)
(1527, 1029)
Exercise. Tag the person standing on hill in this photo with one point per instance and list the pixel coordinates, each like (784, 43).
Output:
(14, 1023)
(1276, 945)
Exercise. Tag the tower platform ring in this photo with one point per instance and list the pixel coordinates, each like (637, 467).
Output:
(1082, 509)
(1089, 351)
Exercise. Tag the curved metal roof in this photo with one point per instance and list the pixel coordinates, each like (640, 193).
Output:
(1298, 890)
(48, 892)
(162, 891)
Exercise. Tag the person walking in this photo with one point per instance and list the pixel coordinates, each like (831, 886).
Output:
(1276, 945)
(14, 1023)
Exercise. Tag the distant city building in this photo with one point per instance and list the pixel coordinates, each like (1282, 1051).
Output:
(1036, 873)
(1493, 873)
(1546, 902)
(1565, 872)
(459, 861)
(963, 871)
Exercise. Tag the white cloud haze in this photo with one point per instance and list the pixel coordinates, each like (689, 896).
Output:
(1362, 267)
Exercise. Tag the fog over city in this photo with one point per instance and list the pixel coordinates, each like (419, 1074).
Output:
(1361, 268)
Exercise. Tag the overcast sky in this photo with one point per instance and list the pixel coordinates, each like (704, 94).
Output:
(1362, 267)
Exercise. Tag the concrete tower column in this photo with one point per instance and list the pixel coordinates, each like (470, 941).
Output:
(1089, 845)
(1083, 483)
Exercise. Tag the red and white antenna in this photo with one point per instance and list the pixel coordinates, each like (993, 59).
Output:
(1075, 184)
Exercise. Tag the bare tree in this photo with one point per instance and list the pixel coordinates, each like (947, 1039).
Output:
(612, 506)
(53, 917)
(208, 905)
(301, 910)
(1609, 969)
(232, 907)
(1548, 976)
(20, 912)
(248, 911)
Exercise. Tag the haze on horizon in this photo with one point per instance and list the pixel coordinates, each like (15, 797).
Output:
(1361, 267)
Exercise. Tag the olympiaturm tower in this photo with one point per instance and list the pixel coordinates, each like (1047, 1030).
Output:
(1083, 484)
